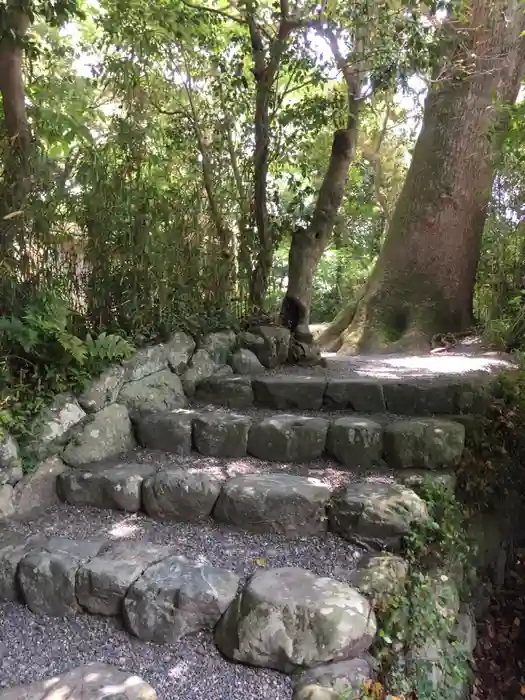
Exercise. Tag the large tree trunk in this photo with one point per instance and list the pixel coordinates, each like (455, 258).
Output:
(424, 278)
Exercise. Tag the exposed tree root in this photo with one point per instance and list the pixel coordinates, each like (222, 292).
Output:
(331, 339)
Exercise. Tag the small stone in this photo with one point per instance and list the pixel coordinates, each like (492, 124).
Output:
(281, 503)
(359, 395)
(182, 495)
(118, 487)
(177, 597)
(94, 681)
(107, 434)
(417, 479)
(288, 438)
(375, 514)
(355, 442)
(219, 345)
(38, 490)
(289, 619)
(221, 434)
(231, 392)
(426, 443)
(47, 576)
(170, 431)
(284, 392)
(341, 678)
(157, 392)
(200, 367)
(245, 361)
(179, 350)
(102, 582)
(104, 390)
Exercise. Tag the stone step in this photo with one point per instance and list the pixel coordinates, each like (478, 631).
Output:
(163, 597)
(409, 395)
(375, 510)
(355, 441)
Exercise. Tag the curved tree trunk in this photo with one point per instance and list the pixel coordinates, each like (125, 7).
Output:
(424, 278)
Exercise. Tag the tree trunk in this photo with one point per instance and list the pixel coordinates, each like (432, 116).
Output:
(423, 281)
(308, 246)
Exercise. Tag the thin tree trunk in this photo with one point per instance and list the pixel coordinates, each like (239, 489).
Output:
(424, 278)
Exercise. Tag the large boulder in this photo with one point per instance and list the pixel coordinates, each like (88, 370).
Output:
(118, 487)
(103, 581)
(219, 346)
(47, 575)
(170, 431)
(289, 619)
(38, 490)
(177, 597)
(288, 438)
(221, 434)
(288, 505)
(103, 390)
(9, 453)
(53, 425)
(232, 392)
(269, 343)
(200, 367)
(376, 514)
(355, 442)
(106, 434)
(157, 392)
(427, 443)
(354, 394)
(179, 350)
(380, 577)
(181, 494)
(94, 681)
(289, 391)
(144, 362)
(245, 361)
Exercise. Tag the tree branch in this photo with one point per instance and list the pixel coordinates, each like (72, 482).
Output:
(214, 11)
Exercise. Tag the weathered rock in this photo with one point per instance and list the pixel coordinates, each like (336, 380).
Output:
(375, 514)
(200, 367)
(221, 434)
(245, 361)
(417, 479)
(181, 494)
(445, 594)
(353, 394)
(288, 619)
(179, 350)
(52, 426)
(273, 350)
(289, 391)
(178, 597)
(379, 577)
(104, 390)
(288, 438)
(219, 345)
(107, 434)
(341, 679)
(13, 549)
(94, 681)
(7, 504)
(117, 487)
(9, 453)
(427, 443)
(421, 397)
(170, 431)
(232, 392)
(144, 362)
(157, 392)
(47, 576)
(103, 581)
(288, 505)
(11, 476)
(355, 442)
(465, 630)
(38, 490)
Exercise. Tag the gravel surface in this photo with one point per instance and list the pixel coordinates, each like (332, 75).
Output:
(33, 647)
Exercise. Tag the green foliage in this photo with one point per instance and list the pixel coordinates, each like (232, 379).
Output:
(417, 641)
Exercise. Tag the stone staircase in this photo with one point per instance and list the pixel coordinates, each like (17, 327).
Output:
(298, 454)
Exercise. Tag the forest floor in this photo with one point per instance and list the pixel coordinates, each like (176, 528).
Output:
(500, 651)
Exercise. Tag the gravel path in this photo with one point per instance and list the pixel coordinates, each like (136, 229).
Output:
(33, 647)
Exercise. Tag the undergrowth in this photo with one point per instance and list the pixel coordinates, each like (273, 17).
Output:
(43, 352)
